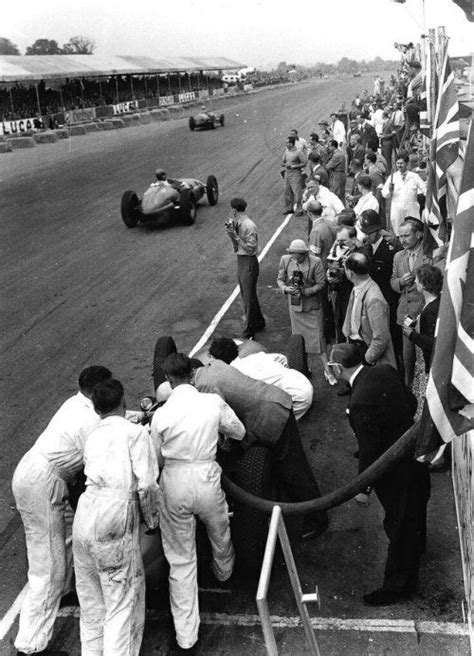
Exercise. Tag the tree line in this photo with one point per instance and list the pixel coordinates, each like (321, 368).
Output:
(77, 45)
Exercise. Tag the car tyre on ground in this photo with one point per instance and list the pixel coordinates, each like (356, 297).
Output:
(128, 208)
(212, 190)
(221, 120)
(187, 207)
(249, 526)
(192, 123)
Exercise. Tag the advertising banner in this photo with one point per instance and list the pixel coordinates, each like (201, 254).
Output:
(17, 127)
(204, 93)
(80, 115)
(187, 97)
(218, 92)
(166, 100)
(125, 107)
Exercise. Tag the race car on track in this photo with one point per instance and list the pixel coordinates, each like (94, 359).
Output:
(168, 201)
(205, 120)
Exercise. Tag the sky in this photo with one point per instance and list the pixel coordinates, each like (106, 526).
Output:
(257, 33)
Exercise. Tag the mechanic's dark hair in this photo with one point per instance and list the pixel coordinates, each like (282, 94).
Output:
(291, 139)
(351, 231)
(238, 204)
(416, 224)
(358, 263)
(294, 130)
(177, 365)
(314, 157)
(333, 143)
(224, 348)
(196, 363)
(431, 278)
(372, 145)
(364, 181)
(371, 156)
(346, 219)
(90, 376)
(314, 136)
(347, 355)
(404, 156)
(106, 396)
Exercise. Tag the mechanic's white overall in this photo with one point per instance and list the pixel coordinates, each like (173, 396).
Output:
(40, 491)
(122, 472)
(186, 431)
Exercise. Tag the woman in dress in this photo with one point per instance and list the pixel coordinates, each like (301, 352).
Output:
(301, 277)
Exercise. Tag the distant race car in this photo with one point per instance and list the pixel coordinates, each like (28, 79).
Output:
(174, 201)
(206, 121)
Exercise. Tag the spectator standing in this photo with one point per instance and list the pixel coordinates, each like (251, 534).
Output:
(301, 278)
(410, 302)
(186, 431)
(336, 167)
(41, 496)
(121, 489)
(367, 200)
(300, 143)
(338, 130)
(380, 411)
(315, 168)
(243, 235)
(331, 204)
(318, 148)
(402, 188)
(294, 163)
(367, 131)
(388, 138)
(355, 150)
(367, 320)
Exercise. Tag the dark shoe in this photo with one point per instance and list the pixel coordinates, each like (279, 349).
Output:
(383, 597)
(70, 599)
(439, 467)
(176, 649)
(285, 212)
(45, 652)
(210, 583)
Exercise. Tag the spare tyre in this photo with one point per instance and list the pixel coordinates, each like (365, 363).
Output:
(187, 207)
(296, 354)
(164, 346)
(128, 208)
(249, 526)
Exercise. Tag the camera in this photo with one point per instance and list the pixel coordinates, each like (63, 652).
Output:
(335, 262)
(297, 283)
(229, 223)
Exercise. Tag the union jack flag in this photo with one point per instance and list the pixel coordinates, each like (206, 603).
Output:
(449, 405)
(444, 150)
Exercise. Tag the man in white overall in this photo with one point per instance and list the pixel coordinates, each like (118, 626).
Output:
(186, 430)
(41, 495)
(122, 471)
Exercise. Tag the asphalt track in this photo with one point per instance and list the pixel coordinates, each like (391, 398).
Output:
(79, 288)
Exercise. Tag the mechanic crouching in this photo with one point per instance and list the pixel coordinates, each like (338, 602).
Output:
(121, 469)
(185, 431)
(266, 412)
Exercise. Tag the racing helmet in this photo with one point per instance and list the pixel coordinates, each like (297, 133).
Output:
(160, 174)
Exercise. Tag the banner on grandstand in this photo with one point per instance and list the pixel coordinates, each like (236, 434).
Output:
(80, 115)
(204, 93)
(166, 100)
(17, 127)
(187, 97)
(125, 107)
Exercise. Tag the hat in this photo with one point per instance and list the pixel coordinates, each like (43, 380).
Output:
(297, 246)
(370, 222)
(160, 174)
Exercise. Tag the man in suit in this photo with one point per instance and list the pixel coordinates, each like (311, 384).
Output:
(315, 168)
(336, 168)
(381, 250)
(410, 302)
(367, 321)
(367, 131)
(380, 411)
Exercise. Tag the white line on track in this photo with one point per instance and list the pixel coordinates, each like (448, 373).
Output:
(318, 623)
(8, 619)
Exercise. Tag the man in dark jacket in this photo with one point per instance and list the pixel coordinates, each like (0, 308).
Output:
(380, 411)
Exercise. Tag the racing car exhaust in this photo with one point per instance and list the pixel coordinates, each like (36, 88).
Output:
(403, 447)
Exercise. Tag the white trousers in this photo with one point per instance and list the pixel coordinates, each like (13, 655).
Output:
(110, 580)
(41, 499)
(191, 490)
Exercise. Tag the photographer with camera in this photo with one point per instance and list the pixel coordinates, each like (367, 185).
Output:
(301, 278)
(243, 235)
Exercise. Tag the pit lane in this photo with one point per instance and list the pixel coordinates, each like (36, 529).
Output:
(80, 288)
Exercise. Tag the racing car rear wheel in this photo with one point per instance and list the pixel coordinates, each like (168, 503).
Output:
(187, 207)
(164, 346)
(296, 354)
(221, 120)
(212, 124)
(192, 122)
(129, 210)
(249, 526)
(212, 190)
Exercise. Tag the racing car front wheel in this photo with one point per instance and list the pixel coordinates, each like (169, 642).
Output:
(192, 123)
(187, 207)
(128, 208)
(212, 190)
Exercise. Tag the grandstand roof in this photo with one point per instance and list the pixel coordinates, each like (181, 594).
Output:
(18, 68)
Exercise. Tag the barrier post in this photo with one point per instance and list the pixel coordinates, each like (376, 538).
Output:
(278, 530)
